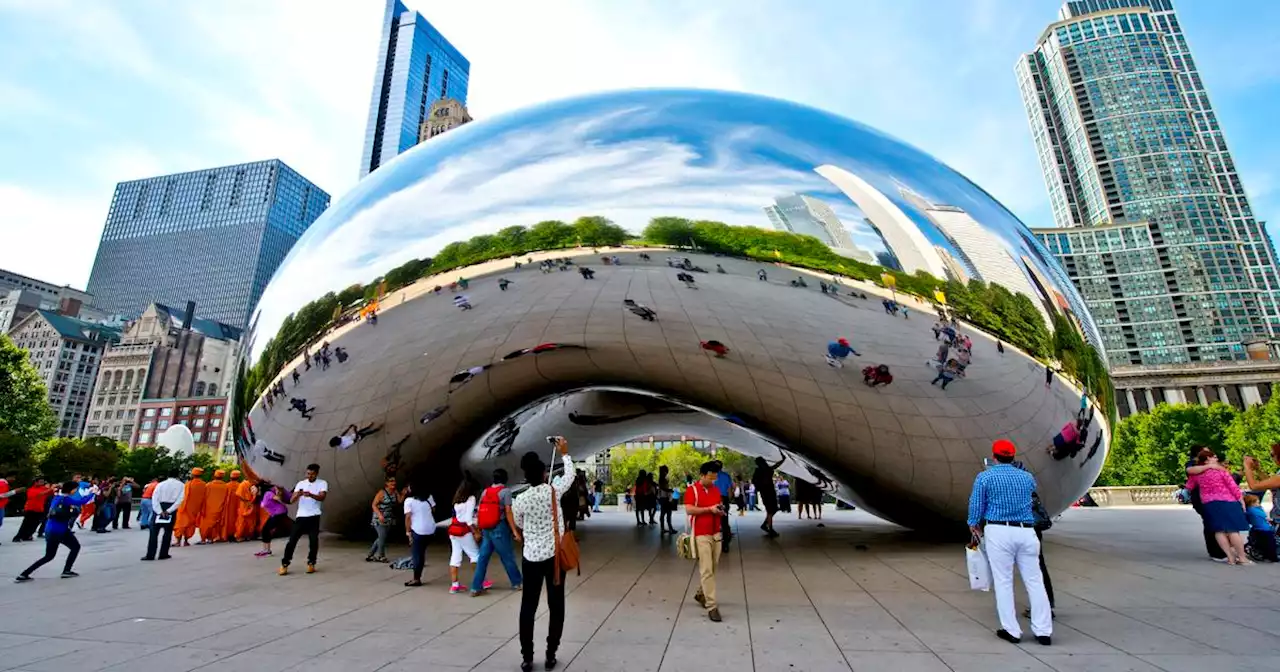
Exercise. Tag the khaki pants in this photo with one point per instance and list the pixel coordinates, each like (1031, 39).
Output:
(708, 546)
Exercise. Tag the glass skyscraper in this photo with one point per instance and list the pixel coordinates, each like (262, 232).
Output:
(416, 67)
(1151, 221)
(213, 236)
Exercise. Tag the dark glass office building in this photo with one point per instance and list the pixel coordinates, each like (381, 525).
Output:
(416, 67)
(212, 236)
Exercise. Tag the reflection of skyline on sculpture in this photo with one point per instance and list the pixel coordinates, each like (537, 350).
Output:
(810, 216)
(724, 164)
(618, 167)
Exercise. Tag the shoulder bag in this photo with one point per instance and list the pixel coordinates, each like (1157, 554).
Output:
(685, 546)
(566, 545)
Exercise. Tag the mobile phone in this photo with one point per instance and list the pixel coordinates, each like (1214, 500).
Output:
(552, 439)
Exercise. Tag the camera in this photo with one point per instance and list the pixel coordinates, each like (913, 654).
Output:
(552, 439)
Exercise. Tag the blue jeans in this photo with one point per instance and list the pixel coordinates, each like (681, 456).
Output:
(145, 513)
(498, 539)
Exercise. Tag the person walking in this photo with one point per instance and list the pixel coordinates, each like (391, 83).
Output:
(309, 493)
(724, 482)
(419, 525)
(598, 488)
(275, 505)
(464, 536)
(706, 510)
(538, 525)
(494, 518)
(665, 503)
(58, 531)
(762, 478)
(385, 505)
(165, 499)
(1000, 515)
(33, 511)
(146, 505)
(124, 503)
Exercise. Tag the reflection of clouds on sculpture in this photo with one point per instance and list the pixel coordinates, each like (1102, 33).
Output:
(629, 157)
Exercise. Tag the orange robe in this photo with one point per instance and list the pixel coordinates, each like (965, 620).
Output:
(213, 522)
(247, 521)
(231, 512)
(191, 508)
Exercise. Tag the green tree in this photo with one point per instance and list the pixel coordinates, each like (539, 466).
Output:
(15, 458)
(1253, 431)
(61, 458)
(25, 407)
(1152, 448)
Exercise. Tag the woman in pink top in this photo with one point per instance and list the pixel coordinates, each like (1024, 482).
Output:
(1223, 505)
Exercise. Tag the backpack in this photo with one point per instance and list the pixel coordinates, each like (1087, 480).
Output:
(63, 511)
(489, 514)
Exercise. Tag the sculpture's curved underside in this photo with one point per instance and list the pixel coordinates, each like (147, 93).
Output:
(458, 388)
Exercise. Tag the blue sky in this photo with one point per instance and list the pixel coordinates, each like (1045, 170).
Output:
(92, 93)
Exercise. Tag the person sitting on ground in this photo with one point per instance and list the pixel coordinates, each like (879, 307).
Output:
(838, 350)
(715, 347)
(1262, 535)
(877, 375)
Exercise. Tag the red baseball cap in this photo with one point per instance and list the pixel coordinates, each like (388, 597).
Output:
(1003, 448)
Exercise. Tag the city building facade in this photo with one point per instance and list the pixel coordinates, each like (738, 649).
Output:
(444, 115)
(52, 293)
(204, 416)
(416, 67)
(66, 352)
(809, 216)
(164, 354)
(1151, 223)
(211, 236)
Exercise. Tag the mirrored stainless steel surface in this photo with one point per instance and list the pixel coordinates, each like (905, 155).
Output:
(473, 374)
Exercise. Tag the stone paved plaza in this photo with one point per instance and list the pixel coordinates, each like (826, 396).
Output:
(1134, 592)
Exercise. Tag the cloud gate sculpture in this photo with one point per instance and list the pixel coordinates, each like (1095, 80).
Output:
(628, 264)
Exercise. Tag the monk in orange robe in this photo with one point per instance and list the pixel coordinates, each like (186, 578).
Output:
(213, 522)
(231, 514)
(191, 509)
(247, 520)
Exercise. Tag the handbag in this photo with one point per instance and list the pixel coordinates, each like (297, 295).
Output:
(686, 548)
(1042, 519)
(566, 545)
(457, 528)
(979, 568)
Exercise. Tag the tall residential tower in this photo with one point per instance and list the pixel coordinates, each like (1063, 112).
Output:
(1151, 221)
(211, 236)
(416, 67)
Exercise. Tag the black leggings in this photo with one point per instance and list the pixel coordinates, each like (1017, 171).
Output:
(51, 543)
(535, 573)
(273, 526)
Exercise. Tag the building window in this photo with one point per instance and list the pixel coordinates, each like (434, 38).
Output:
(197, 436)
(215, 422)
(213, 437)
(147, 424)
(149, 413)
(202, 410)
(185, 410)
(163, 424)
(166, 412)
(199, 422)
(217, 410)
(144, 437)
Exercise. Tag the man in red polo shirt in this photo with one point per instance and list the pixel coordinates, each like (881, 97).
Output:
(33, 512)
(703, 504)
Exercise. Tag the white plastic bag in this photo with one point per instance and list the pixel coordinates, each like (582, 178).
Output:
(979, 568)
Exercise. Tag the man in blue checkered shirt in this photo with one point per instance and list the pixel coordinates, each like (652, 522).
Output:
(1000, 514)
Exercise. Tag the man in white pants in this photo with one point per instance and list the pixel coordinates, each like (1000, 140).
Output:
(1000, 511)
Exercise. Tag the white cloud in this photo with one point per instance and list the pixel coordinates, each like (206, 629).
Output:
(43, 234)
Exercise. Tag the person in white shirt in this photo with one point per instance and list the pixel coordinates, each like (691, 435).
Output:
(164, 504)
(538, 530)
(308, 493)
(419, 525)
(464, 535)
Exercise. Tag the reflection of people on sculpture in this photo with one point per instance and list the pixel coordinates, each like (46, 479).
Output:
(353, 435)
(799, 282)
(761, 275)
(587, 274)
(462, 302)
(687, 279)
(838, 350)
(463, 377)
(503, 282)
(499, 441)
(715, 347)
(762, 478)
(877, 375)
(640, 309)
(300, 405)
(720, 269)
(433, 414)
(824, 481)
